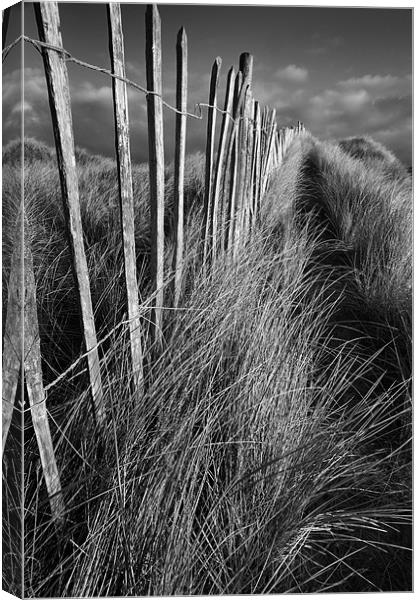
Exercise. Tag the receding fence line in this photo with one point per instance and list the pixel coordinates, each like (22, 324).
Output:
(180, 151)
(48, 20)
(126, 199)
(250, 148)
(156, 166)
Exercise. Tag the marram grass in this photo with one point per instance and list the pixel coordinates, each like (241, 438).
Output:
(271, 449)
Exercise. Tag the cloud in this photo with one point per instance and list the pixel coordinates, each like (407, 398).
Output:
(379, 86)
(293, 74)
(377, 105)
(91, 107)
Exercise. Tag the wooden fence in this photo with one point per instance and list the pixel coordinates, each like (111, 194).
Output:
(237, 170)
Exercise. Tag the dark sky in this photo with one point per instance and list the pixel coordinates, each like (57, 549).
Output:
(342, 71)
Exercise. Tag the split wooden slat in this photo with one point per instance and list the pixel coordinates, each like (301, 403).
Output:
(246, 68)
(256, 164)
(126, 198)
(232, 162)
(277, 150)
(156, 166)
(180, 150)
(13, 336)
(221, 159)
(248, 147)
(209, 160)
(36, 392)
(48, 21)
(22, 359)
(271, 127)
(262, 151)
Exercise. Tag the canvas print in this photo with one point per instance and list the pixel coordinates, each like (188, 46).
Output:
(207, 299)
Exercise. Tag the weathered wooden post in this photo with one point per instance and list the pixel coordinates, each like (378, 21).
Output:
(232, 156)
(271, 128)
(221, 159)
(256, 164)
(180, 149)
(246, 68)
(22, 359)
(209, 160)
(13, 339)
(247, 191)
(48, 20)
(271, 140)
(156, 165)
(36, 393)
(126, 199)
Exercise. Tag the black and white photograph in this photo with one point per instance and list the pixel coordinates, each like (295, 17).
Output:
(207, 258)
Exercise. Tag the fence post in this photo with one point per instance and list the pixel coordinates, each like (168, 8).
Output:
(248, 124)
(48, 21)
(156, 165)
(181, 105)
(246, 67)
(262, 151)
(232, 158)
(13, 341)
(256, 164)
(221, 158)
(209, 159)
(126, 199)
(36, 392)
(271, 141)
(277, 150)
(271, 127)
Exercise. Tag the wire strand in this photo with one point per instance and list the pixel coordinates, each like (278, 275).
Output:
(68, 57)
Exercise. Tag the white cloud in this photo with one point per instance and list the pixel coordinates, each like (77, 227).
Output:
(292, 73)
(377, 105)
(379, 86)
(88, 93)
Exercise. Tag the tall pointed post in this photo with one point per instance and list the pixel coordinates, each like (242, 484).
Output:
(221, 160)
(126, 198)
(209, 160)
(232, 160)
(36, 393)
(180, 150)
(256, 164)
(246, 68)
(13, 335)
(48, 20)
(156, 166)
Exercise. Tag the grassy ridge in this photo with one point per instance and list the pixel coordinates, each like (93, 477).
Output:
(270, 452)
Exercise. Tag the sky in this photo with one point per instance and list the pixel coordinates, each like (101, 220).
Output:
(341, 71)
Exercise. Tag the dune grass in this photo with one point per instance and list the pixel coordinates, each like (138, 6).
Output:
(271, 449)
